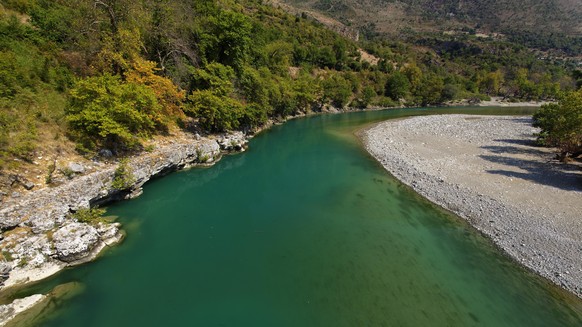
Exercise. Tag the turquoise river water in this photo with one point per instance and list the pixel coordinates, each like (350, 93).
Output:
(303, 229)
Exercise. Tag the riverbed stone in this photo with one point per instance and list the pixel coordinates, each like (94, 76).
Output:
(486, 170)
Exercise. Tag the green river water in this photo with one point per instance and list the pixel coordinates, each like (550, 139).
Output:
(303, 229)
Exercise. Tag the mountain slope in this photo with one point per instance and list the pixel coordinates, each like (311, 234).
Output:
(487, 16)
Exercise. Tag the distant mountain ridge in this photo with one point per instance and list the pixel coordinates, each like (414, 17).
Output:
(490, 16)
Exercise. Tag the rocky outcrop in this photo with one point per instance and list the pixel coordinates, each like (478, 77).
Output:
(74, 240)
(4, 272)
(235, 141)
(76, 168)
(40, 237)
(38, 229)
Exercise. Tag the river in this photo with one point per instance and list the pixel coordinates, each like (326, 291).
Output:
(303, 229)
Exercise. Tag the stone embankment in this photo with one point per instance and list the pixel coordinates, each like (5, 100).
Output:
(40, 236)
(487, 170)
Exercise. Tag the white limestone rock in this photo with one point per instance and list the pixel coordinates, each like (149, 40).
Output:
(75, 241)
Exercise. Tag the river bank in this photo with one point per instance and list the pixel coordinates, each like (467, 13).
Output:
(41, 238)
(31, 221)
(497, 102)
(488, 171)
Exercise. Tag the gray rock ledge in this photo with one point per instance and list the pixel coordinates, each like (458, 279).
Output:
(38, 236)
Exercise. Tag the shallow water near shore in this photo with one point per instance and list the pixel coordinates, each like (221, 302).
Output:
(304, 229)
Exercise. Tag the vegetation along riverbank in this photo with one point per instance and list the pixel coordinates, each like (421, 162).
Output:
(97, 97)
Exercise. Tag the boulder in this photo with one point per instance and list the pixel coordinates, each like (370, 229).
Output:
(234, 141)
(25, 183)
(76, 168)
(75, 241)
(5, 269)
(106, 153)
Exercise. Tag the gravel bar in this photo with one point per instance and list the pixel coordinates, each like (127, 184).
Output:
(487, 170)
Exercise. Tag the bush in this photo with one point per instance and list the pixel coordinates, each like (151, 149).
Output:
(104, 111)
(337, 90)
(123, 176)
(89, 215)
(561, 124)
(385, 102)
(397, 86)
(214, 113)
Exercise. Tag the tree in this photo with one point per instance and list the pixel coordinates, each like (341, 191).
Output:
(450, 92)
(341, 57)
(365, 97)
(168, 95)
(326, 57)
(215, 113)
(491, 83)
(119, 51)
(431, 89)
(104, 111)
(561, 124)
(215, 76)
(577, 75)
(337, 90)
(414, 75)
(397, 86)
(278, 56)
(228, 39)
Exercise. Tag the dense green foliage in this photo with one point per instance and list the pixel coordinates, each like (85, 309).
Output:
(89, 215)
(110, 73)
(107, 111)
(32, 82)
(561, 124)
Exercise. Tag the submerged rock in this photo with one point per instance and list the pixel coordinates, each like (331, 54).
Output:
(10, 311)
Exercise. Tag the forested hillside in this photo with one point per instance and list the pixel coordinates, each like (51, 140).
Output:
(96, 74)
(540, 24)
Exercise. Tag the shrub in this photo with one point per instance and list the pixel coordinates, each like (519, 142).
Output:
(215, 113)
(337, 90)
(50, 170)
(123, 177)
(561, 124)
(89, 215)
(104, 111)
